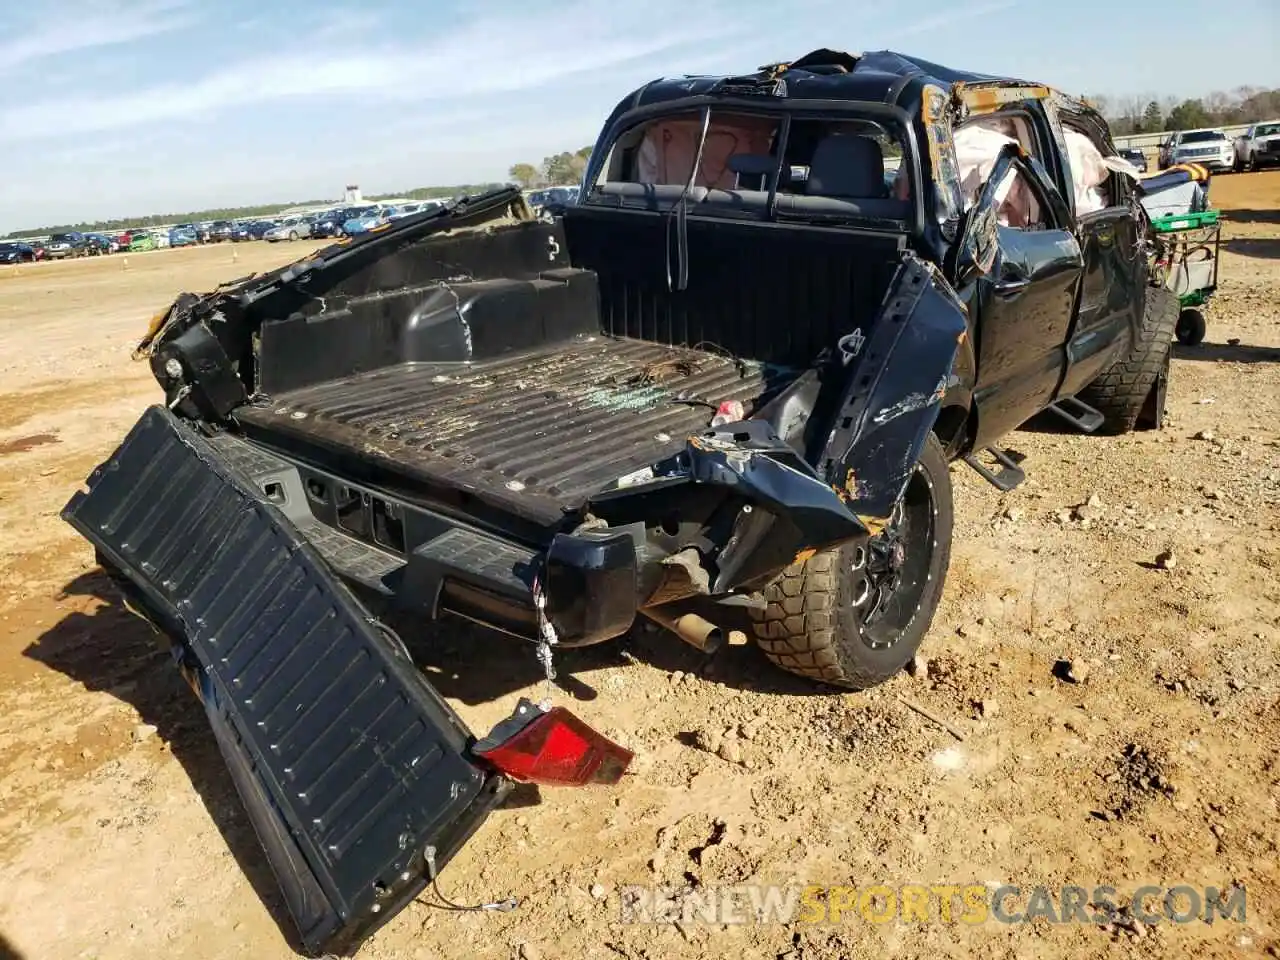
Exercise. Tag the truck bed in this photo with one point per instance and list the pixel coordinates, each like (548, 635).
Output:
(535, 433)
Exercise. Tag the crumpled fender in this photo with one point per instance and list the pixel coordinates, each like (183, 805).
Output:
(749, 458)
(898, 377)
(798, 512)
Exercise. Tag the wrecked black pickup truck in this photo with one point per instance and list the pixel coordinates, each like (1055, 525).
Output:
(729, 379)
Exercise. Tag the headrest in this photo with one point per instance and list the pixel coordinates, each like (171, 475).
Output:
(847, 166)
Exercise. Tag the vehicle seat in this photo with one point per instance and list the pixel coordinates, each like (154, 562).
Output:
(844, 166)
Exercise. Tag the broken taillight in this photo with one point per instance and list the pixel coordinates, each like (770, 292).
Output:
(552, 747)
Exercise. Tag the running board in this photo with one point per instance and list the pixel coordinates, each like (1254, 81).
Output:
(1006, 477)
(1077, 413)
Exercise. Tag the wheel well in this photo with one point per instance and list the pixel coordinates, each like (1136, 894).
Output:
(955, 424)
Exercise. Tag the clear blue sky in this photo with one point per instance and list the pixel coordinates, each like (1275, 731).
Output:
(121, 107)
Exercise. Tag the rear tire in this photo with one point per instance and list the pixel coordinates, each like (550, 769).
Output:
(1121, 392)
(1191, 327)
(825, 618)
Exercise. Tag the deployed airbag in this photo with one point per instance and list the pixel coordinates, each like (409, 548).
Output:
(978, 145)
(669, 146)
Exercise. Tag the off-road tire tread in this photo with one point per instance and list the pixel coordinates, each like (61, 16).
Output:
(798, 629)
(1120, 392)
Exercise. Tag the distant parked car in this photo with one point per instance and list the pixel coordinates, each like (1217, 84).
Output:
(404, 210)
(1137, 158)
(63, 246)
(364, 219)
(183, 237)
(552, 200)
(1208, 148)
(200, 232)
(290, 228)
(1258, 147)
(16, 253)
(328, 224)
(409, 209)
(99, 244)
(220, 230)
(140, 241)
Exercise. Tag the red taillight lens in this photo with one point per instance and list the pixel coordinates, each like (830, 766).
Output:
(552, 747)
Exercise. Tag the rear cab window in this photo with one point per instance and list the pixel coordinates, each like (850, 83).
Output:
(759, 165)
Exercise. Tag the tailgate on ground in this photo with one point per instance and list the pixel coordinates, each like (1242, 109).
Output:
(347, 761)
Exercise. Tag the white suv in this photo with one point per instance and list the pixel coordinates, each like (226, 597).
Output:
(1259, 146)
(1209, 148)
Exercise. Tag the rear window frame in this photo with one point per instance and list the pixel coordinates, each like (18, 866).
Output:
(894, 118)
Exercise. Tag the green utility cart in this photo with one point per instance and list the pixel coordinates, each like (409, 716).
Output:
(1186, 262)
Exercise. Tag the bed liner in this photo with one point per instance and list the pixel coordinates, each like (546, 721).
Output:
(538, 433)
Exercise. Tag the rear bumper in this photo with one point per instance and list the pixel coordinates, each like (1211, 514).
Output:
(406, 557)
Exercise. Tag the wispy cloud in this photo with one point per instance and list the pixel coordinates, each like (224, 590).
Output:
(59, 28)
(483, 57)
(952, 16)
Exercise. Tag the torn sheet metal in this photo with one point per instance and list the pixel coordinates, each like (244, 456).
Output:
(749, 458)
(979, 98)
(801, 513)
(788, 511)
(942, 152)
(886, 419)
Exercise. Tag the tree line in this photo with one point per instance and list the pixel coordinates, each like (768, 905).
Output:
(560, 169)
(1146, 113)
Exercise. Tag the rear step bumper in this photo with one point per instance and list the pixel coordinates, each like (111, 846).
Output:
(349, 764)
(424, 562)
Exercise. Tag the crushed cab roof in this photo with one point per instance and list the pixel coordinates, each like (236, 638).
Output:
(879, 76)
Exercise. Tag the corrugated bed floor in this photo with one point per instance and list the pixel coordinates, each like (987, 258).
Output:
(542, 430)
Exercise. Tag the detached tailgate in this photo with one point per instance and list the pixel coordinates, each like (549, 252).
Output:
(347, 761)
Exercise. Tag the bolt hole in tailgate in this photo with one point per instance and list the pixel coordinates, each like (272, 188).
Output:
(348, 763)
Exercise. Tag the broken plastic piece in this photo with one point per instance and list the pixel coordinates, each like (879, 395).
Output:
(731, 411)
(552, 747)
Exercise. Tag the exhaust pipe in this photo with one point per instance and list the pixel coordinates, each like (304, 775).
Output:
(694, 630)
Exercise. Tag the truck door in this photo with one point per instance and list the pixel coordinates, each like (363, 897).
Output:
(1111, 297)
(1019, 264)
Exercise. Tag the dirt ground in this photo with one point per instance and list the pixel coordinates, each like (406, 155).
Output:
(1152, 760)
